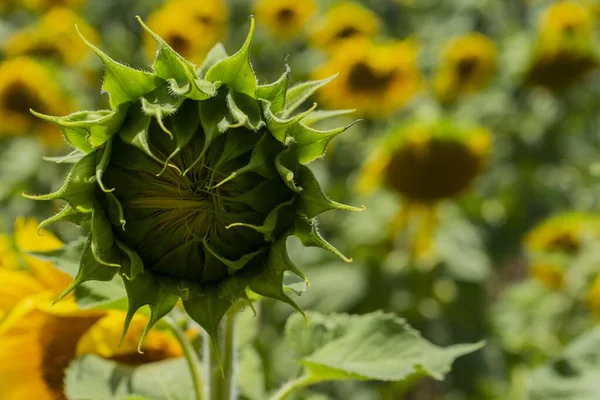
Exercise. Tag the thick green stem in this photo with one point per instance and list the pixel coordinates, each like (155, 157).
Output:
(222, 372)
(286, 390)
(190, 356)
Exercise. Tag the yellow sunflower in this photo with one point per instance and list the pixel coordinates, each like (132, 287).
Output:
(39, 5)
(345, 21)
(191, 27)
(374, 79)
(285, 19)
(425, 163)
(54, 37)
(554, 241)
(25, 84)
(38, 342)
(467, 65)
(566, 46)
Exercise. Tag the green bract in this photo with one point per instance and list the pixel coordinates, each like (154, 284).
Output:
(193, 180)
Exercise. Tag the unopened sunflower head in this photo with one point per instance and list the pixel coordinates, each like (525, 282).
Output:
(25, 84)
(190, 27)
(566, 47)
(427, 162)
(193, 180)
(376, 79)
(285, 19)
(553, 243)
(343, 21)
(467, 65)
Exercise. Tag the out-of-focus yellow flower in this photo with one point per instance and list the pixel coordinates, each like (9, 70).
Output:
(37, 342)
(285, 19)
(554, 241)
(425, 163)
(566, 45)
(54, 37)
(345, 21)
(39, 5)
(592, 297)
(25, 84)
(374, 79)
(191, 27)
(467, 64)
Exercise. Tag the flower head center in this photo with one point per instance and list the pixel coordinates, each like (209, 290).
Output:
(286, 15)
(18, 98)
(347, 32)
(363, 78)
(466, 68)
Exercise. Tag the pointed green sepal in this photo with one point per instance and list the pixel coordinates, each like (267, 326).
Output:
(312, 200)
(236, 71)
(214, 55)
(147, 290)
(288, 166)
(308, 233)
(269, 283)
(89, 270)
(136, 130)
(324, 115)
(67, 214)
(281, 128)
(122, 83)
(275, 93)
(312, 143)
(245, 110)
(72, 158)
(160, 104)
(103, 159)
(272, 226)
(299, 93)
(78, 189)
(87, 130)
(233, 265)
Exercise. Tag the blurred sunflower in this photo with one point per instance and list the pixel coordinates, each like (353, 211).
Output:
(38, 5)
(285, 19)
(37, 342)
(551, 244)
(54, 37)
(374, 79)
(425, 163)
(566, 46)
(25, 84)
(592, 298)
(191, 27)
(467, 64)
(345, 21)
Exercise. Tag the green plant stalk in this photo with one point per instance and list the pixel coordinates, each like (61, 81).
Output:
(286, 390)
(222, 372)
(190, 356)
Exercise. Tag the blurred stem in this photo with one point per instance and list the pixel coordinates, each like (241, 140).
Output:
(222, 371)
(286, 390)
(190, 356)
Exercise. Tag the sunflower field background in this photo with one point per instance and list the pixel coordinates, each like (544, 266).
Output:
(476, 157)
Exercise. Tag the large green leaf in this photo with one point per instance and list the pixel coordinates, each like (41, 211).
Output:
(374, 346)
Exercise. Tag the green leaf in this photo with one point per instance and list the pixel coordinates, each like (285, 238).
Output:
(324, 115)
(235, 71)
(123, 84)
(72, 158)
(573, 376)
(87, 130)
(103, 160)
(374, 346)
(78, 189)
(299, 93)
(185, 125)
(245, 110)
(312, 200)
(108, 380)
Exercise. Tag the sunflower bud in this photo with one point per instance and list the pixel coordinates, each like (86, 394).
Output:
(193, 180)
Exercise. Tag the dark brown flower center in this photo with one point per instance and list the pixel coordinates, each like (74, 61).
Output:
(565, 243)
(362, 78)
(205, 19)
(286, 15)
(348, 32)
(179, 43)
(59, 337)
(19, 98)
(466, 68)
(46, 50)
(432, 171)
